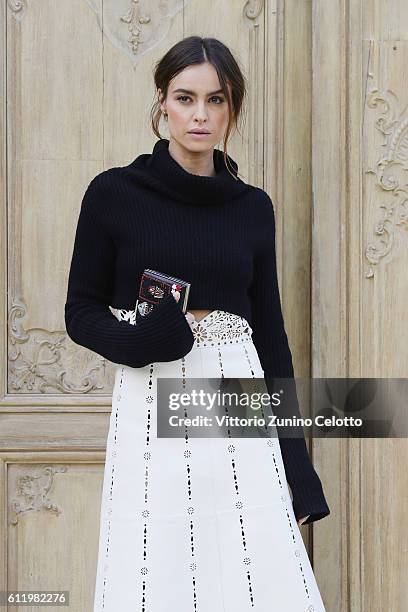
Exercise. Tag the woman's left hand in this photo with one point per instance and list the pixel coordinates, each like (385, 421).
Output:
(302, 520)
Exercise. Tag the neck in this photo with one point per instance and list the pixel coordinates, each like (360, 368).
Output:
(199, 163)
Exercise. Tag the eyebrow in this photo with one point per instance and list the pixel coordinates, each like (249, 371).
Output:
(187, 91)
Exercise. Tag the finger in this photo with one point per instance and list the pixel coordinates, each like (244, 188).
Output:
(176, 294)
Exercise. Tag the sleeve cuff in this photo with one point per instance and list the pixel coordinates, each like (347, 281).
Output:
(309, 499)
(165, 333)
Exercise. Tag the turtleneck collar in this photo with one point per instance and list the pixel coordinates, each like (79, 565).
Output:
(164, 174)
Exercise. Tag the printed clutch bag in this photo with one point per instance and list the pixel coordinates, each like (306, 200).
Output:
(154, 287)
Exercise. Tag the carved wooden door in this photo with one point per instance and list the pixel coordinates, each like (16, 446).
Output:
(76, 87)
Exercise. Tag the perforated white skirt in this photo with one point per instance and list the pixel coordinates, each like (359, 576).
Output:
(197, 524)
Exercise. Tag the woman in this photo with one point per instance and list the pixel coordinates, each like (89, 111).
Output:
(191, 523)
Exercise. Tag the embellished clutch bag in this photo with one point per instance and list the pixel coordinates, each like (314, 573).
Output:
(154, 287)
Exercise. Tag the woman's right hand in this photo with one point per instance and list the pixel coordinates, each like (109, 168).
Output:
(189, 315)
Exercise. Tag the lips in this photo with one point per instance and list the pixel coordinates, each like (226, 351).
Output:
(198, 132)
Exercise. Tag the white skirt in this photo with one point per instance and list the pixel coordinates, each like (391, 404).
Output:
(197, 524)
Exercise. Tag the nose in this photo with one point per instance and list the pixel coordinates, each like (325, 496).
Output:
(200, 112)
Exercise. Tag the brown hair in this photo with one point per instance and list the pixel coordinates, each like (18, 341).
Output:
(196, 50)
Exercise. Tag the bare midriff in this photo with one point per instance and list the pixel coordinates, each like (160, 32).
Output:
(199, 314)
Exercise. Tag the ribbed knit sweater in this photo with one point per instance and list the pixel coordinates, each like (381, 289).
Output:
(216, 232)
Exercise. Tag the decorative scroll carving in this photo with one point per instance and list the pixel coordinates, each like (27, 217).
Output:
(41, 361)
(136, 26)
(391, 174)
(31, 492)
(17, 7)
(133, 18)
(253, 8)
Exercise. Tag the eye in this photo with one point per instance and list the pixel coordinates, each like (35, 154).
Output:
(212, 98)
(218, 98)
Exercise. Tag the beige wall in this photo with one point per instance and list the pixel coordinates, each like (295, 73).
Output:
(325, 135)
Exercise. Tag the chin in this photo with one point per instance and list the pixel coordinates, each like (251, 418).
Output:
(199, 145)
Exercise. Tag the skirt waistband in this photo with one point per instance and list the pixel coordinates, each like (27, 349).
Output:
(218, 327)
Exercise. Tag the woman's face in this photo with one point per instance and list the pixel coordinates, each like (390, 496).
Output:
(195, 100)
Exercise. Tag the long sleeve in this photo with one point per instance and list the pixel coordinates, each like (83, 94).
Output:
(270, 339)
(164, 334)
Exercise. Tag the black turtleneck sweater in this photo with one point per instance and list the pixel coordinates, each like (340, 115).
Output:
(216, 232)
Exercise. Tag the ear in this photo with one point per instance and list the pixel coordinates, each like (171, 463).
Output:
(159, 95)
